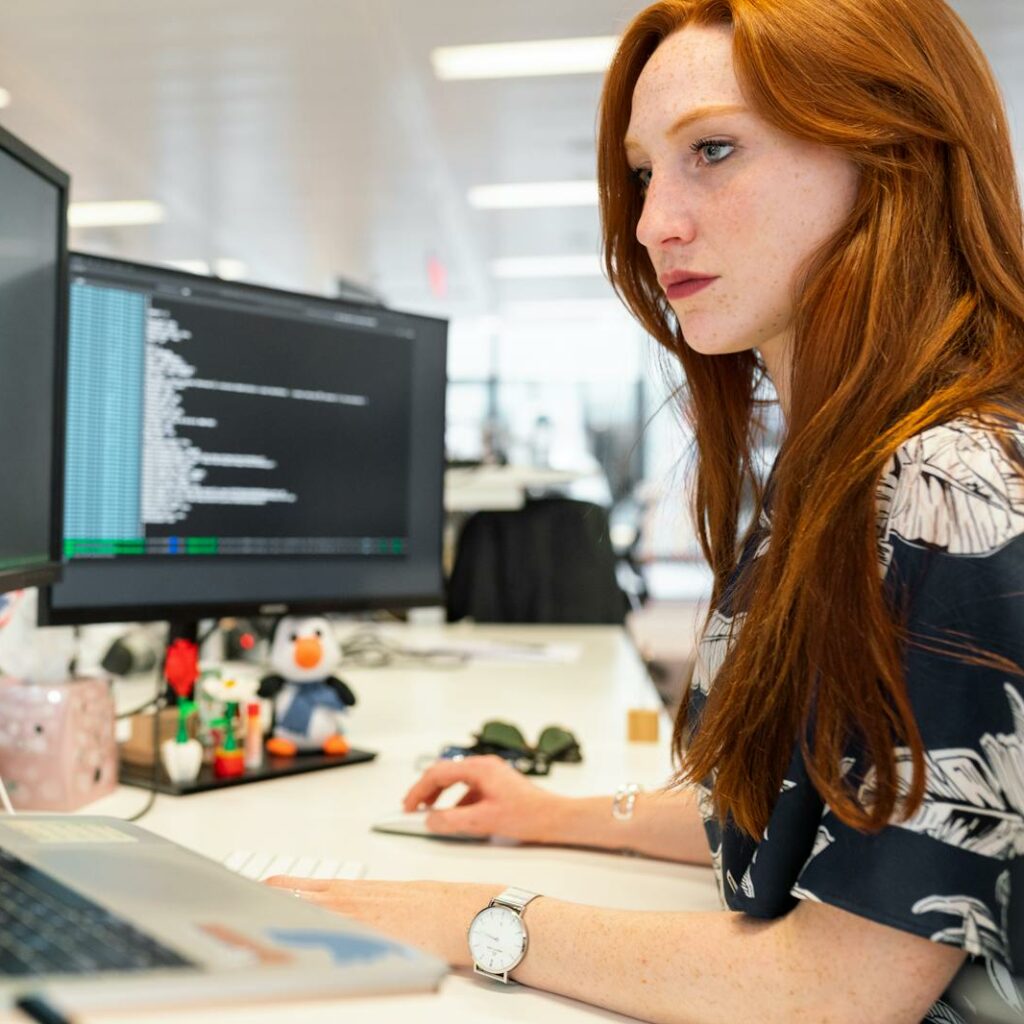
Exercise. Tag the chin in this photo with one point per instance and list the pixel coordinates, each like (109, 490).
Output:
(705, 335)
(713, 347)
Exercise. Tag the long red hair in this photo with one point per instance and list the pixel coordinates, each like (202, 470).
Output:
(912, 314)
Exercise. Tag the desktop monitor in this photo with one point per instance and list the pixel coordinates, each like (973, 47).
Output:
(33, 295)
(239, 450)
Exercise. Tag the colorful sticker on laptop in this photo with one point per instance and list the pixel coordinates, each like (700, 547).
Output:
(259, 951)
(343, 949)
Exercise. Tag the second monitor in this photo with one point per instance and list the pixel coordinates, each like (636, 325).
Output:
(234, 449)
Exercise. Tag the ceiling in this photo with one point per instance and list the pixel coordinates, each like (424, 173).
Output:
(310, 138)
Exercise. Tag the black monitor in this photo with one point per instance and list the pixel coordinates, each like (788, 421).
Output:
(33, 336)
(239, 450)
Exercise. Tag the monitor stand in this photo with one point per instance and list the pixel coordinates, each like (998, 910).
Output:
(154, 777)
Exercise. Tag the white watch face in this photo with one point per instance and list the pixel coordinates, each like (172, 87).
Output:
(497, 939)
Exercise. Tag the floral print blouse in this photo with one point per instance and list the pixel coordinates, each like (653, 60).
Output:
(951, 539)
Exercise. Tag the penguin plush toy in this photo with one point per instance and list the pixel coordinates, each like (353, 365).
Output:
(309, 702)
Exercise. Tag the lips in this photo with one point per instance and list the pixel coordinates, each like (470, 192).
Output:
(683, 283)
(681, 277)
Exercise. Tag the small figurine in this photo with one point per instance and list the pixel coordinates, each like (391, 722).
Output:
(182, 756)
(229, 758)
(309, 702)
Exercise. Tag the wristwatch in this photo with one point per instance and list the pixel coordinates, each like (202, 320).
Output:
(497, 935)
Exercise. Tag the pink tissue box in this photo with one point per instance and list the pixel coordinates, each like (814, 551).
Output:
(57, 746)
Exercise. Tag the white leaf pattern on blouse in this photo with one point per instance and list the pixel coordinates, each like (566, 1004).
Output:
(971, 801)
(977, 931)
(713, 647)
(951, 487)
(800, 893)
(943, 1013)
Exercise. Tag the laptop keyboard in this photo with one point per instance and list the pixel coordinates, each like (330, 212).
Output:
(47, 928)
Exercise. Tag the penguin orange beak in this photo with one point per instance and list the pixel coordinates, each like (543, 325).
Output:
(308, 651)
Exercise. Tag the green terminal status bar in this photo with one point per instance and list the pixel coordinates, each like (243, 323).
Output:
(116, 547)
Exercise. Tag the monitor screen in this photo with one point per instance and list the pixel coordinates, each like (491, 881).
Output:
(234, 449)
(33, 285)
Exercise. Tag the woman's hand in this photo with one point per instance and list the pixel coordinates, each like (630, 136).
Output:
(434, 916)
(499, 801)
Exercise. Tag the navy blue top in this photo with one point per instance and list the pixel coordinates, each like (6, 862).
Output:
(951, 544)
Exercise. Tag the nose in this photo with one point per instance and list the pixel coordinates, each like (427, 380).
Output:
(666, 218)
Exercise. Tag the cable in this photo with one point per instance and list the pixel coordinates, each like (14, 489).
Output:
(152, 702)
(368, 649)
(157, 703)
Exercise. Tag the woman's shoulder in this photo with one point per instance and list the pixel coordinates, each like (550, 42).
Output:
(955, 486)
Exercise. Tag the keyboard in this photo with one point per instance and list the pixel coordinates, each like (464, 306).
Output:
(47, 928)
(259, 865)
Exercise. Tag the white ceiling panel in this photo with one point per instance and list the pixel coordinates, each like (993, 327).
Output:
(309, 138)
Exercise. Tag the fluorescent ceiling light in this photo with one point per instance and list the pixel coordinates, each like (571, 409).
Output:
(5, 98)
(519, 60)
(190, 266)
(583, 265)
(533, 194)
(115, 214)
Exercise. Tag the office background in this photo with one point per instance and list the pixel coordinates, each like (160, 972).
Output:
(313, 144)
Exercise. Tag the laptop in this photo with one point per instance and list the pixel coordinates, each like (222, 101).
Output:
(97, 913)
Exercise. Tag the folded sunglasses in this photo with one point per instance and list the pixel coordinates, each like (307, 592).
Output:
(507, 741)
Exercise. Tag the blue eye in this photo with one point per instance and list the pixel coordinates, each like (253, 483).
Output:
(712, 144)
(643, 177)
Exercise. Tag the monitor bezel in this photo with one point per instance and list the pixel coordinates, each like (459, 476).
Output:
(44, 573)
(49, 615)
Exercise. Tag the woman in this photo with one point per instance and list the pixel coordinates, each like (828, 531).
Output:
(834, 180)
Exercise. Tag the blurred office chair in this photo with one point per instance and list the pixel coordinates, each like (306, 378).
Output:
(550, 561)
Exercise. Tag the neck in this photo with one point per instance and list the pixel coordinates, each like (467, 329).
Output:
(776, 357)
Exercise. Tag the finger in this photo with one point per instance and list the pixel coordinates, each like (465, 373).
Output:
(462, 820)
(470, 798)
(419, 797)
(303, 885)
(436, 779)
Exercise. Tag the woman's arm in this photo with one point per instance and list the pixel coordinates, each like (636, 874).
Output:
(665, 824)
(500, 801)
(817, 964)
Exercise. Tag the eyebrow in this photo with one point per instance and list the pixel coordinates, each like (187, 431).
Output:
(690, 117)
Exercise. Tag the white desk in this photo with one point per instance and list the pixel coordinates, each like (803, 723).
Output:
(405, 712)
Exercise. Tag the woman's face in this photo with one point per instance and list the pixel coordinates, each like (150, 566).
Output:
(728, 196)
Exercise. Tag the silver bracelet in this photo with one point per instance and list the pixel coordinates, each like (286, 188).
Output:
(624, 800)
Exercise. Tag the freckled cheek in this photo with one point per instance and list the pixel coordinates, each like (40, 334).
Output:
(746, 239)
(773, 235)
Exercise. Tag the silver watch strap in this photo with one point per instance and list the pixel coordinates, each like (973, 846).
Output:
(515, 899)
